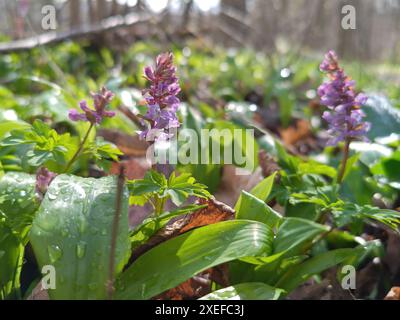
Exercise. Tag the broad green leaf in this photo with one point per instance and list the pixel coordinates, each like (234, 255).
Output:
(314, 167)
(252, 208)
(294, 232)
(7, 126)
(300, 273)
(11, 255)
(178, 259)
(72, 231)
(18, 202)
(264, 188)
(246, 291)
(292, 239)
(384, 118)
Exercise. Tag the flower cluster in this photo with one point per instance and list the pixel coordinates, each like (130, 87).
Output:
(161, 99)
(96, 115)
(345, 119)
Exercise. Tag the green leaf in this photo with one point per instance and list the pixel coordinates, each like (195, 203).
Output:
(313, 167)
(246, 291)
(301, 273)
(39, 145)
(11, 255)
(18, 202)
(151, 225)
(8, 126)
(352, 212)
(178, 259)
(252, 208)
(260, 191)
(178, 188)
(384, 118)
(264, 188)
(294, 232)
(72, 232)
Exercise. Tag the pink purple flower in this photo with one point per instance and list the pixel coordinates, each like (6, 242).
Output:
(345, 118)
(43, 180)
(161, 99)
(96, 115)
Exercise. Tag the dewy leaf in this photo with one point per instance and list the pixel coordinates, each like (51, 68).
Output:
(72, 232)
(18, 201)
(246, 291)
(11, 255)
(178, 259)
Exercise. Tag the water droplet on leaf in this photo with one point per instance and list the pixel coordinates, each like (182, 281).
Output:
(81, 249)
(55, 253)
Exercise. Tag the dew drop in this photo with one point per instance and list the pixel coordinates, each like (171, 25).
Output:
(82, 225)
(55, 253)
(52, 196)
(81, 249)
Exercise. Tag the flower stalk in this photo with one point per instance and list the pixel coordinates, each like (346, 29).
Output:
(81, 145)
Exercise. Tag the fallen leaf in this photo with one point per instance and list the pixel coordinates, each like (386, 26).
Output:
(293, 134)
(394, 294)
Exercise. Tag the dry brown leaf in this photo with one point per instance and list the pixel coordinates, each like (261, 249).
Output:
(299, 131)
(394, 294)
(214, 212)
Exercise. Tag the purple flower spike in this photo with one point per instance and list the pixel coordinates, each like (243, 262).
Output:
(96, 115)
(161, 98)
(345, 117)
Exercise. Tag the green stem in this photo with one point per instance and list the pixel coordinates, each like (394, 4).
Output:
(160, 203)
(82, 144)
(114, 232)
(346, 151)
